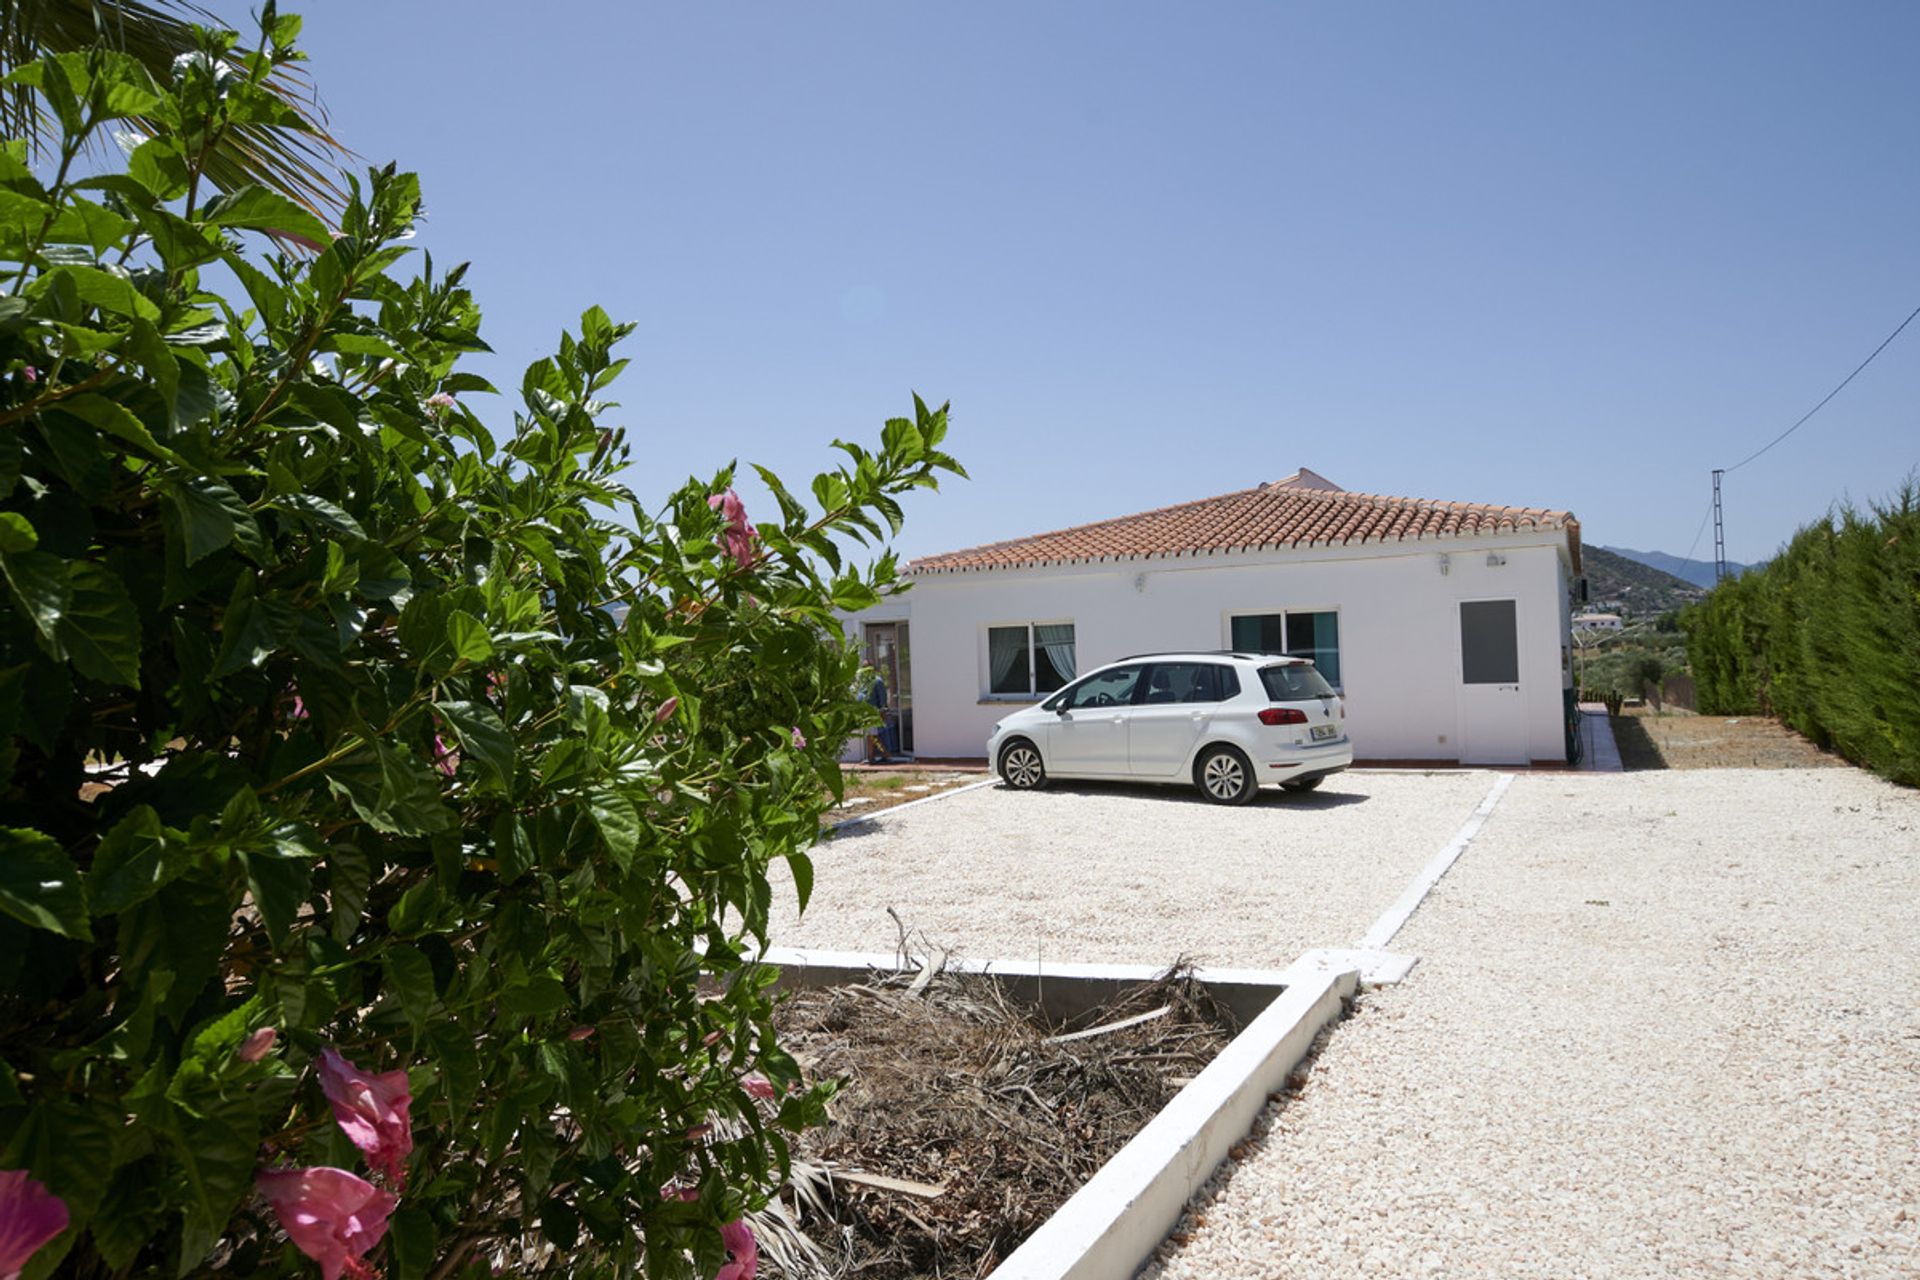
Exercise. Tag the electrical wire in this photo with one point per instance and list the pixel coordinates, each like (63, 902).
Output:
(1823, 401)
(1688, 558)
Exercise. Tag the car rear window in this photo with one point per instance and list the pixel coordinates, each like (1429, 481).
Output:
(1294, 681)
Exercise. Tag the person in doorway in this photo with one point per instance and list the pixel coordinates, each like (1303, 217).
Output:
(882, 737)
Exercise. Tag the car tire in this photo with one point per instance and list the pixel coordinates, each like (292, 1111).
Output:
(1303, 785)
(1225, 776)
(1021, 767)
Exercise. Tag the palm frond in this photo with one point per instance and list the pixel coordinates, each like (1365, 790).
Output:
(300, 161)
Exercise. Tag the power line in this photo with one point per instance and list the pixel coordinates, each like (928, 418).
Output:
(1823, 400)
(1697, 532)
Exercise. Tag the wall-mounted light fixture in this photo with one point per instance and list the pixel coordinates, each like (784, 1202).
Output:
(1495, 559)
(1446, 564)
(1140, 582)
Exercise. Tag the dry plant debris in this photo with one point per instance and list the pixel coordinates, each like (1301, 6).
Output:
(966, 1120)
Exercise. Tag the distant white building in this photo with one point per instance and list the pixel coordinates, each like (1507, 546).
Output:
(1597, 622)
(1446, 625)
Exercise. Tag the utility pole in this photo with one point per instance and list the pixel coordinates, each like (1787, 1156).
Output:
(1719, 532)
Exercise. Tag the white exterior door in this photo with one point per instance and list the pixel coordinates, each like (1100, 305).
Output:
(1493, 705)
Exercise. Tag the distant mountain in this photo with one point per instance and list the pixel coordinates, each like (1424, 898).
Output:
(1616, 583)
(1698, 572)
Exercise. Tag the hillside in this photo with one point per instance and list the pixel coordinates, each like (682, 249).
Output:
(1616, 584)
(1697, 572)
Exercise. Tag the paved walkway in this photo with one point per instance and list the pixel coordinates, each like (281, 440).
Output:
(1663, 1025)
(1599, 753)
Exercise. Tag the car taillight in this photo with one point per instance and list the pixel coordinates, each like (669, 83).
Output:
(1283, 715)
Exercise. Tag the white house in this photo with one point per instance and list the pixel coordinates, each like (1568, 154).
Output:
(1598, 622)
(1444, 624)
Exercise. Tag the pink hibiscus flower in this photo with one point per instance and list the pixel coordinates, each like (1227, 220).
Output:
(743, 1252)
(740, 533)
(331, 1215)
(257, 1046)
(30, 1215)
(372, 1111)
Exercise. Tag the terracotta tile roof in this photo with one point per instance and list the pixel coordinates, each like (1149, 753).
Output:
(1270, 516)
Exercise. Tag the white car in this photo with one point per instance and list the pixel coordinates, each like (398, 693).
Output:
(1226, 722)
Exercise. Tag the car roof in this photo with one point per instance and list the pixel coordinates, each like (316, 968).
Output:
(1202, 655)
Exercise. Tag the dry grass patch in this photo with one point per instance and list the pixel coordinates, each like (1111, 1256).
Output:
(1684, 740)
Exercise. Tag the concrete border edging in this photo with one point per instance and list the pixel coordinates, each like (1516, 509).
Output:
(1112, 1225)
(890, 810)
(1396, 916)
(1064, 990)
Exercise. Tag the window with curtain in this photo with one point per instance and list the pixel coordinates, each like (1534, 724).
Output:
(1303, 634)
(1029, 659)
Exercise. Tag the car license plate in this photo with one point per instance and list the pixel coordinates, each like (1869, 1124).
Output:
(1322, 732)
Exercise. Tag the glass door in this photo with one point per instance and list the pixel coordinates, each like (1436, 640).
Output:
(886, 649)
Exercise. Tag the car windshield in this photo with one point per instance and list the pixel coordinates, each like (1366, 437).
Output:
(1293, 681)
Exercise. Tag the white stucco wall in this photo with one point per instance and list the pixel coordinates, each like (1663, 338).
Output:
(1399, 630)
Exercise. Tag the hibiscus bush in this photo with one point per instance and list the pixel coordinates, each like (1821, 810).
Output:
(387, 802)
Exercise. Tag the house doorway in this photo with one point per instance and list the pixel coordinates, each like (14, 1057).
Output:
(1493, 706)
(889, 651)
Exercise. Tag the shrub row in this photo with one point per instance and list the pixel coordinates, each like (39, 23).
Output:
(1826, 637)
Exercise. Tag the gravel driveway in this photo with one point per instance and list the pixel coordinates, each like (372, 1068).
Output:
(1131, 874)
(1664, 1024)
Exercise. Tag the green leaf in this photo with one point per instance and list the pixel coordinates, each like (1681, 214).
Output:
(40, 886)
(157, 165)
(469, 636)
(349, 879)
(42, 589)
(619, 823)
(145, 345)
(100, 628)
(851, 595)
(537, 997)
(411, 978)
(319, 511)
(259, 209)
(205, 524)
(16, 533)
(459, 1061)
(113, 418)
(251, 632)
(102, 289)
(392, 790)
(414, 1242)
(180, 930)
(131, 864)
(217, 1144)
(280, 876)
(802, 867)
(82, 221)
(483, 738)
(130, 1213)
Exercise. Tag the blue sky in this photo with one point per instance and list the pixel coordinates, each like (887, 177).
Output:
(1554, 255)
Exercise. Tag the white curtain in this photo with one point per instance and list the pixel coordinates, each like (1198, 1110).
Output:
(1005, 646)
(1057, 640)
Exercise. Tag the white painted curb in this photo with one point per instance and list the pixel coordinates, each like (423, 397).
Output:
(1075, 989)
(866, 818)
(1396, 916)
(1113, 1224)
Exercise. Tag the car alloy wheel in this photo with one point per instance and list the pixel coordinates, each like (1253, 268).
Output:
(1020, 766)
(1226, 777)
